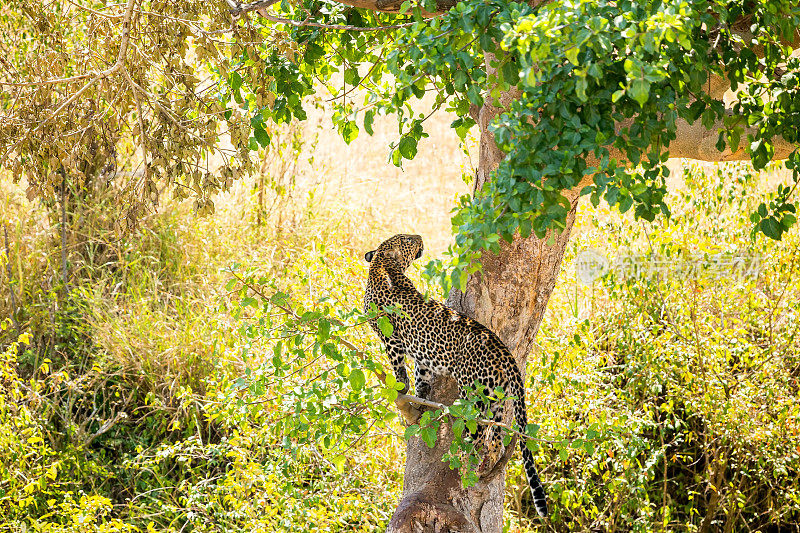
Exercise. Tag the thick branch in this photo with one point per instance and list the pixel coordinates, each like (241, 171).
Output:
(237, 8)
(693, 141)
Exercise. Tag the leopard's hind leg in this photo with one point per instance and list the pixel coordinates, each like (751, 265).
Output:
(423, 376)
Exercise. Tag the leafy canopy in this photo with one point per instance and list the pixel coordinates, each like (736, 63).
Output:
(601, 89)
(131, 95)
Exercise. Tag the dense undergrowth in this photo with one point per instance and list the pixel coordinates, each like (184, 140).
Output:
(212, 374)
(690, 364)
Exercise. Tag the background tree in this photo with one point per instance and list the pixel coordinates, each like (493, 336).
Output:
(571, 99)
(94, 95)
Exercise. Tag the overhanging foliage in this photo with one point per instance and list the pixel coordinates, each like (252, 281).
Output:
(601, 91)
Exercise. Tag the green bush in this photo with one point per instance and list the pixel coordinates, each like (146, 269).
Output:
(115, 404)
(675, 403)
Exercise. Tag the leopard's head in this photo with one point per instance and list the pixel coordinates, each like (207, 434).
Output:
(400, 250)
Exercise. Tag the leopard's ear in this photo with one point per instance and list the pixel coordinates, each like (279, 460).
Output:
(369, 255)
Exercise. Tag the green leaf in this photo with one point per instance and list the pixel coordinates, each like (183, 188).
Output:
(408, 147)
(571, 54)
(580, 88)
(351, 76)
(460, 80)
(324, 331)
(235, 81)
(458, 428)
(771, 228)
(640, 91)
(411, 431)
(720, 146)
(369, 117)
(385, 325)
(357, 379)
(279, 298)
(349, 131)
(428, 435)
(397, 159)
(261, 136)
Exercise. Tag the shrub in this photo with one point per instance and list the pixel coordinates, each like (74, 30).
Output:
(675, 403)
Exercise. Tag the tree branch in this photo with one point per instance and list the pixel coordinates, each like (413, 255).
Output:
(237, 8)
(693, 141)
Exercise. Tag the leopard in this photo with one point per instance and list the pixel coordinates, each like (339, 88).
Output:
(441, 341)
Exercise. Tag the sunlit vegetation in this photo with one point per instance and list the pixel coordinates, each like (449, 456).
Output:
(211, 374)
(187, 189)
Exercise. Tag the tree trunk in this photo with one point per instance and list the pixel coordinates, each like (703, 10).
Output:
(509, 296)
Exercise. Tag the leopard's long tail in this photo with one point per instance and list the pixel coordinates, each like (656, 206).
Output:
(520, 414)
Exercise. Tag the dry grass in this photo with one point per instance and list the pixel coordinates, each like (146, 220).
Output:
(360, 178)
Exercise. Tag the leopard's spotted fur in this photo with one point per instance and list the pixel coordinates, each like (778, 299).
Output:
(441, 340)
